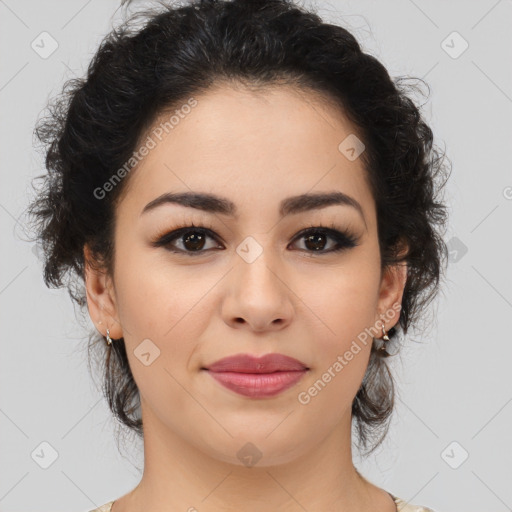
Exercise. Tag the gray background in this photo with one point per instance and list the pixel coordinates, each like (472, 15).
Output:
(454, 382)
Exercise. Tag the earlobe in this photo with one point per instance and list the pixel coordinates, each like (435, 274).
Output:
(100, 298)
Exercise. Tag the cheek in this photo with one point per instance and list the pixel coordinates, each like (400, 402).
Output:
(345, 302)
(163, 314)
(168, 305)
(155, 296)
(341, 355)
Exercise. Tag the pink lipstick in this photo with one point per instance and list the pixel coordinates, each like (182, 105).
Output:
(257, 377)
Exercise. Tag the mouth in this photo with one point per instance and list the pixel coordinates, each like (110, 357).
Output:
(257, 377)
(258, 385)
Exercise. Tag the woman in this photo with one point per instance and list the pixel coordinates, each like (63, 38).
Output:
(252, 205)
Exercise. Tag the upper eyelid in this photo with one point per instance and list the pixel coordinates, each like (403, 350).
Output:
(176, 233)
(211, 230)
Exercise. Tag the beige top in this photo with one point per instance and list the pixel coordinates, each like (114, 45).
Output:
(401, 506)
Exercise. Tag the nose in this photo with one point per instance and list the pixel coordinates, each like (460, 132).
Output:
(259, 297)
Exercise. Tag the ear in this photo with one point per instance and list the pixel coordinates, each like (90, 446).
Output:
(390, 295)
(100, 297)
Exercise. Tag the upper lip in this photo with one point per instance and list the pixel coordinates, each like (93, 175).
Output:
(246, 363)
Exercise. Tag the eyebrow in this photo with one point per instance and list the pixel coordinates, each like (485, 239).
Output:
(289, 206)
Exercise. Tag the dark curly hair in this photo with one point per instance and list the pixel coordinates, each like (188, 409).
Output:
(92, 128)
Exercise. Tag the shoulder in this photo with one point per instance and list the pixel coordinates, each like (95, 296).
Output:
(403, 506)
(104, 508)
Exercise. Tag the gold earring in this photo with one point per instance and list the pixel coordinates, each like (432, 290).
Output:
(109, 339)
(382, 349)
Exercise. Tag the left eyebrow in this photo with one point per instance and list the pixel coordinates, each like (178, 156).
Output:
(289, 206)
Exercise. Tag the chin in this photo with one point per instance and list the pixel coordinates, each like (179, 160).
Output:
(258, 451)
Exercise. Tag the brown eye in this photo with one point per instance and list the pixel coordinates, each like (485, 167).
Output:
(191, 239)
(316, 239)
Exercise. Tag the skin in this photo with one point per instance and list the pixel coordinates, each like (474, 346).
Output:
(255, 149)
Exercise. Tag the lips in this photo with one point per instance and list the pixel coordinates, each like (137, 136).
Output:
(257, 377)
(245, 363)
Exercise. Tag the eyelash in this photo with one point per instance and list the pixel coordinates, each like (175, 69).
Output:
(344, 239)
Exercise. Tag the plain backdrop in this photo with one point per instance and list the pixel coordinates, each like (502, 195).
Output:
(449, 446)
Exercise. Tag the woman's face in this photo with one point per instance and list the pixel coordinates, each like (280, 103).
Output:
(252, 284)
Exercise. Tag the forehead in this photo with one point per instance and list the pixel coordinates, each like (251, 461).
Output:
(251, 146)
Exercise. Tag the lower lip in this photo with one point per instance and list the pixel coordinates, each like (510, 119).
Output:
(258, 385)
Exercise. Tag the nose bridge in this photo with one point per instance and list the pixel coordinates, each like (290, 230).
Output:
(259, 262)
(258, 291)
